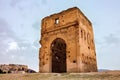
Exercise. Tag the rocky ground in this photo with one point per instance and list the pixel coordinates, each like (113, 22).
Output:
(106, 75)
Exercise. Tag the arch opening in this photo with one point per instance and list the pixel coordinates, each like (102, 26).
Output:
(58, 49)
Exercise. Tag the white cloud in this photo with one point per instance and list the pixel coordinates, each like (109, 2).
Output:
(13, 46)
(12, 56)
(23, 48)
(15, 2)
(34, 47)
(22, 58)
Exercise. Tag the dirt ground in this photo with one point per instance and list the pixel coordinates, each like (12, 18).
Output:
(108, 75)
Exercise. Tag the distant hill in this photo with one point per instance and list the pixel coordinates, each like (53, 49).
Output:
(100, 70)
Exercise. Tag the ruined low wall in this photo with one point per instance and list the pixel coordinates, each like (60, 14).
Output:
(13, 67)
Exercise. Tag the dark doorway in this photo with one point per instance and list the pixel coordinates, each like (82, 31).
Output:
(58, 48)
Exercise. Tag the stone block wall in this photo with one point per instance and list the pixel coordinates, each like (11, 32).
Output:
(75, 29)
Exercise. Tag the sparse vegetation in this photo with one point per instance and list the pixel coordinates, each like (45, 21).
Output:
(63, 76)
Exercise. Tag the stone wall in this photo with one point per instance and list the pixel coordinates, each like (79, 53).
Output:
(76, 30)
(13, 67)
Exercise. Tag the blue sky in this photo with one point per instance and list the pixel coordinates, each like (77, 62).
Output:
(20, 22)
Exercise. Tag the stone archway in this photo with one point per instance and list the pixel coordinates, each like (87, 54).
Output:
(58, 52)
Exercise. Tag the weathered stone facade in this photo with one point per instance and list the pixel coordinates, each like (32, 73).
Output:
(67, 43)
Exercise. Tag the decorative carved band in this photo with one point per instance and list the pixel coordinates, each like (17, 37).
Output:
(60, 27)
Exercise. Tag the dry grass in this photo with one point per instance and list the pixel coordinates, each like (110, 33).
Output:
(113, 75)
